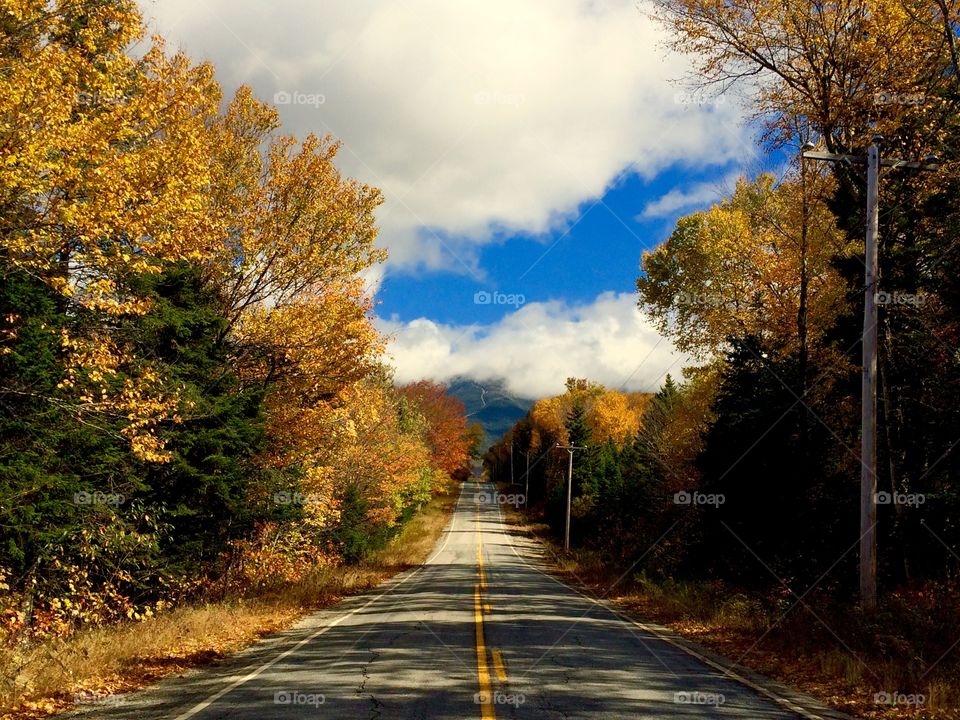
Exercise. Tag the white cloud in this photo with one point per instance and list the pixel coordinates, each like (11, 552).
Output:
(690, 198)
(536, 348)
(471, 114)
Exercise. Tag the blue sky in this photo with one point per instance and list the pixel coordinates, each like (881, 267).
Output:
(526, 148)
(597, 250)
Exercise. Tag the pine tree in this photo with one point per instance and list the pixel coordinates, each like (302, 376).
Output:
(206, 491)
(54, 465)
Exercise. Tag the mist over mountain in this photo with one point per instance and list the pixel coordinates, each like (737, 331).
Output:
(490, 404)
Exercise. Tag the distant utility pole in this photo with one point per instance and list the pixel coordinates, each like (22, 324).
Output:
(566, 532)
(526, 490)
(868, 401)
(511, 461)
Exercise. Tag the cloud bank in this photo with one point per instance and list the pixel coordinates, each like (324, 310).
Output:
(477, 118)
(537, 347)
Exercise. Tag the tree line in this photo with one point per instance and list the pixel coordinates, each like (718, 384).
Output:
(194, 401)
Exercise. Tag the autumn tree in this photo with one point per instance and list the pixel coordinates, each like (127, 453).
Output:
(747, 266)
(103, 180)
(298, 235)
(586, 414)
(384, 468)
(838, 71)
(105, 176)
(451, 444)
(296, 226)
(185, 333)
(636, 451)
(837, 74)
(615, 417)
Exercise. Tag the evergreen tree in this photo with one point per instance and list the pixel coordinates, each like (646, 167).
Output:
(64, 480)
(206, 491)
(774, 509)
(654, 423)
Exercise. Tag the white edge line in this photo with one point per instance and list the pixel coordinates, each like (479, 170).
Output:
(204, 704)
(727, 672)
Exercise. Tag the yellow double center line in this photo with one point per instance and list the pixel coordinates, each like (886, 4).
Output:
(483, 671)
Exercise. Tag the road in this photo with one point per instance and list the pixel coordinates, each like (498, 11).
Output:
(481, 630)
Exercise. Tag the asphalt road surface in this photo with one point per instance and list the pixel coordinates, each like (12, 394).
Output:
(481, 630)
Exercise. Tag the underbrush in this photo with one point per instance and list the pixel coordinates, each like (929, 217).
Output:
(903, 661)
(54, 674)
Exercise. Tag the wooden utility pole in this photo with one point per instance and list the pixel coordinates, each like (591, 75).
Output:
(566, 531)
(526, 489)
(868, 402)
(868, 395)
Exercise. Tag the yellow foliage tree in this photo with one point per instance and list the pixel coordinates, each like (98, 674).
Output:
(104, 175)
(298, 235)
(296, 227)
(613, 418)
(843, 70)
(745, 267)
(105, 159)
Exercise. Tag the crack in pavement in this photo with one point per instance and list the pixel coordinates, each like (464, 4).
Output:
(364, 676)
(376, 711)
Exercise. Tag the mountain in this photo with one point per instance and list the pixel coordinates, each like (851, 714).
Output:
(489, 404)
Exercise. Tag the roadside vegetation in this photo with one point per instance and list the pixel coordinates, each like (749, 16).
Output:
(95, 663)
(823, 646)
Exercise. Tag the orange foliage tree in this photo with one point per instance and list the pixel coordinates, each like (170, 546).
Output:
(451, 444)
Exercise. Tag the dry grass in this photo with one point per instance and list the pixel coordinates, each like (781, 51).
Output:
(795, 649)
(50, 676)
(419, 536)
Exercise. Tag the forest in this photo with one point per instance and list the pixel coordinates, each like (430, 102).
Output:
(194, 401)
